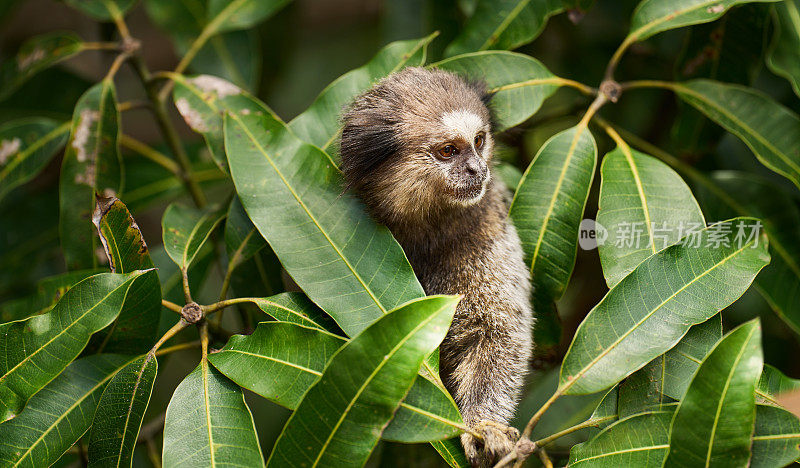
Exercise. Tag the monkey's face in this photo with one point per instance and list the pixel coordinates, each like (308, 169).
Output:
(460, 149)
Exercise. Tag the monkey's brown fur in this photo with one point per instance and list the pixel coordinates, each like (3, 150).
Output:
(451, 219)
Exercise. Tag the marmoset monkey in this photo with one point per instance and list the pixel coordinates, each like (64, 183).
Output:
(417, 149)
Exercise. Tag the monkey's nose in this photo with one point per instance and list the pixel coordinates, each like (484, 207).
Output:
(474, 167)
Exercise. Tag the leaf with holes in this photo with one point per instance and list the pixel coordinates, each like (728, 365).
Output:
(185, 230)
(91, 165)
(715, 419)
(342, 415)
(644, 206)
(208, 423)
(134, 331)
(505, 24)
(59, 414)
(34, 351)
(784, 58)
(769, 129)
(35, 55)
(120, 413)
(640, 440)
(26, 146)
(519, 83)
(354, 270)
(649, 311)
(320, 124)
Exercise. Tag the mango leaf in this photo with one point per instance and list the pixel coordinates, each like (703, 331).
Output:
(428, 413)
(208, 423)
(134, 331)
(655, 16)
(48, 292)
(101, 10)
(641, 440)
(59, 414)
(608, 409)
(120, 413)
(26, 146)
(452, 452)
(519, 83)
(642, 390)
(784, 58)
(296, 308)
(644, 206)
(202, 101)
(769, 129)
(242, 239)
(505, 24)
(320, 124)
(342, 415)
(776, 441)
(235, 56)
(682, 361)
(354, 270)
(734, 193)
(185, 230)
(634, 323)
(35, 55)
(36, 350)
(229, 15)
(91, 165)
(292, 356)
(715, 419)
(772, 383)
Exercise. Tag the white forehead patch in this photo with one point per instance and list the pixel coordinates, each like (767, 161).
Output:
(463, 123)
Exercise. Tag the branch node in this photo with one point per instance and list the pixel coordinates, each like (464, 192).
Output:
(611, 90)
(192, 312)
(525, 447)
(131, 45)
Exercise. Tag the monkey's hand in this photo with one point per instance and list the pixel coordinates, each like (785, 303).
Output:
(498, 440)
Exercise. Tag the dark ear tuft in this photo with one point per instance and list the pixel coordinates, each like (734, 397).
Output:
(482, 90)
(368, 140)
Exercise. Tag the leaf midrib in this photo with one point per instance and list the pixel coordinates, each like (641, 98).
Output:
(24, 154)
(675, 14)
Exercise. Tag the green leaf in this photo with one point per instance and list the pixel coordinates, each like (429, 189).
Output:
(47, 293)
(642, 390)
(644, 206)
(504, 24)
(208, 423)
(34, 351)
(91, 165)
(35, 55)
(649, 311)
(296, 308)
(101, 10)
(120, 413)
(519, 83)
(772, 383)
(714, 421)
(452, 452)
(776, 438)
(608, 408)
(784, 56)
(292, 356)
(641, 440)
(682, 361)
(134, 331)
(548, 206)
(733, 193)
(185, 230)
(242, 239)
(655, 16)
(342, 416)
(320, 124)
(204, 99)
(769, 129)
(354, 270)
(230, 15)
(59, 414)
(235, 56)
(26, 146)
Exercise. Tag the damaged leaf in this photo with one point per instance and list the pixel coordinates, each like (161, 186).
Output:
(36, 55)
(26, 146)
(91, 165)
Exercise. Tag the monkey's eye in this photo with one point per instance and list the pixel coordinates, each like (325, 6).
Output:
(447, 151)
(478, 141)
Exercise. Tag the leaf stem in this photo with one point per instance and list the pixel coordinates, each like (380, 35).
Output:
(647, 84)
(545, 459)
(588, 423)
(143, 150)
(209, 309)
(100, 46)
(178, 347)
(131, 105)
(204, 339)
(614, 61)
(169, 334)
(187, 293)
(171, 306)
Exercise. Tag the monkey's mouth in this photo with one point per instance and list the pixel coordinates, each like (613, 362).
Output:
(471, 193)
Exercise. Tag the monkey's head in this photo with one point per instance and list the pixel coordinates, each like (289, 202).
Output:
(417, 143)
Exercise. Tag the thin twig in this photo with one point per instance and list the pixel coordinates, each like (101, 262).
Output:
(545, 459)
(169, 334)
(588, 423)
(187, 293)
(143, 150)
(171, 306)
(209, 309)
(178, 347)
(100, 46)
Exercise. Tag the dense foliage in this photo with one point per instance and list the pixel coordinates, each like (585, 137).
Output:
(650, 377)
